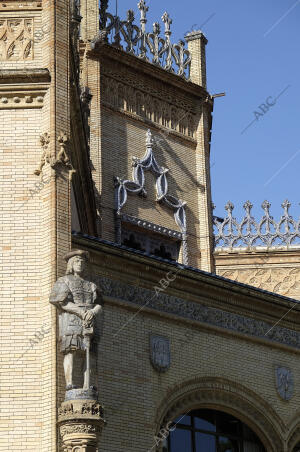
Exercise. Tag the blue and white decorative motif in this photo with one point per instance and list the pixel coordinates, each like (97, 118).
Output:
(160, 353)
(284, 382)
(137, 185)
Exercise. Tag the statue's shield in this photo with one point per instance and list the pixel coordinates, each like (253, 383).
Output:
(284, 382)
(160, 354)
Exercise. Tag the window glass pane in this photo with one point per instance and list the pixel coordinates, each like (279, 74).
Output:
(205, 442)
(181, 440)
(165, 447)
(205, 420)
(183, 419)
(227, 445)
(228, 424)
(249, 435)
(253, 447)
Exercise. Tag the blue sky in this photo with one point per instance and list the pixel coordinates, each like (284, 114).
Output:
(253, 55)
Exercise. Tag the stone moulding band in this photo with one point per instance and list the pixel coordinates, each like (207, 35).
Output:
(21, 99)
(151, 226)
(15, 5)
(199, 313)
(229, 233)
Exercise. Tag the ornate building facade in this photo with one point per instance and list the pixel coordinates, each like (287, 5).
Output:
(105, 148)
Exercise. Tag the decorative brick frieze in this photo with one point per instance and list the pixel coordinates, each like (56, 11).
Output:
(21, 99)
(153, 87)
(16, 38)
(278, 279)
(150, 105)
(17, 6)
(199, 313)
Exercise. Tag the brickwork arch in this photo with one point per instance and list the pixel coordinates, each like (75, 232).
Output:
(293, 437)
(227, 396)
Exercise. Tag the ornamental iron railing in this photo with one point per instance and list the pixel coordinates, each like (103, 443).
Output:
(229, 233)
(151, 47)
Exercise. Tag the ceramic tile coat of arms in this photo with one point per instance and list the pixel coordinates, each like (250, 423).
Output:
(284, 382)
(160, 353)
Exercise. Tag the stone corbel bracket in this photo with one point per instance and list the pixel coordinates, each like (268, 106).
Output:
(62, 157)
(46, 155)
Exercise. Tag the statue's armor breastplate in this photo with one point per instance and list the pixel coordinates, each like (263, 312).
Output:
(82, 294)
(82, 291)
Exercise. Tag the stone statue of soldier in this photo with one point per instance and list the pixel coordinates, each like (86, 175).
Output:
(78, 302)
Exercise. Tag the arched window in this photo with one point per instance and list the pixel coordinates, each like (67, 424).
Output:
(210, 431)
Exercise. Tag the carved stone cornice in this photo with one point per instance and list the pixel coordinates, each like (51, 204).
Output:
(26, 76)
(80, 409)
(151, 226)
(15, 97)
(163, 132)
(19, 6)
(151, 70)
(198, 312)
(130, 79)
(23, 88)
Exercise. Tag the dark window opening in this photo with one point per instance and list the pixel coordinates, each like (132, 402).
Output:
(211, 431)
(132, 242)
(150, 242)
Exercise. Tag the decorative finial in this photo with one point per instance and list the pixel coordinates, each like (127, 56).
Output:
(130, 16)
(156, 28)
(149, 139)
(286, 205)
(167, 21)
(248, 206)
(229, 206)
(103, 14)
(143, 9)
(266, 206)
(134, 39)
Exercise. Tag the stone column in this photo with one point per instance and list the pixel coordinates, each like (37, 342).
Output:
(80, 421)
(196, 45)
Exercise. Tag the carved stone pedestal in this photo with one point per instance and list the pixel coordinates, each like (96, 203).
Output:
(80, 420)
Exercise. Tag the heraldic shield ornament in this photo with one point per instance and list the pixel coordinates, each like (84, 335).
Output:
(284, 382)
(160, 353)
